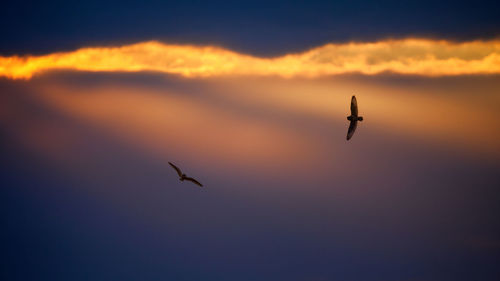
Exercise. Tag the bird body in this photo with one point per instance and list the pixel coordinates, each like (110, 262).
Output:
(354, 118)
(183, 177)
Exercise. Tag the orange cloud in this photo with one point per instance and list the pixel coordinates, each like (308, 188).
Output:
(408, 56)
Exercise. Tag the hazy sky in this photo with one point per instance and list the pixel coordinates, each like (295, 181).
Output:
(251, 99)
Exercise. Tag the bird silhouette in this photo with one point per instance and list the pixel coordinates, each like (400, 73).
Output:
(183, 176)
(354, 118)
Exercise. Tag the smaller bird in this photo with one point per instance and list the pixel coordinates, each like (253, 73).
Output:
(354, 118)
(183, 176)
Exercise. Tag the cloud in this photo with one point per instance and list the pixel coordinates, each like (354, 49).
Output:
(408, 56)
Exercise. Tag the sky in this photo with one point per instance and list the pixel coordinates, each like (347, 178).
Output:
(251, 99)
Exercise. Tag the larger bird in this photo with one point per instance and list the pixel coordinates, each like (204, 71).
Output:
(354, 118)
(183, 176)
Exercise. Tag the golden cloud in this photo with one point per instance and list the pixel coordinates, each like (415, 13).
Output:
(408, 56)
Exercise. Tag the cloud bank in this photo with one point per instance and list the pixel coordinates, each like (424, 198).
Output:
(408, 56)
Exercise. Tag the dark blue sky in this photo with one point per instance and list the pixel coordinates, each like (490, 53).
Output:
(257, 27)
(78, 202)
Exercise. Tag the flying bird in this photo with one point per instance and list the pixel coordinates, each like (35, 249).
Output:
(354, 118)
(183, 176)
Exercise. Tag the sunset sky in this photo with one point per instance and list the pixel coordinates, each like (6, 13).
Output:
(251, 99)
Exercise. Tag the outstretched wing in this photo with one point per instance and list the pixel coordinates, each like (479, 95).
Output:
(193, 180)
(352, 128)
(177, 169)
(354, 106)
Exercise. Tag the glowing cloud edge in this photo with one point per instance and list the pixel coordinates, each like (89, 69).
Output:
(422, 57)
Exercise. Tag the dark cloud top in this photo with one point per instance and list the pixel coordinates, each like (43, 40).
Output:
(258, 27)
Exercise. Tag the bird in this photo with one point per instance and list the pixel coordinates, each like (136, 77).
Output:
(354, 118)
(183, 176)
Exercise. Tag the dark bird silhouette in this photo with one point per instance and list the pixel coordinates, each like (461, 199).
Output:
(183, 176)
(354, 118)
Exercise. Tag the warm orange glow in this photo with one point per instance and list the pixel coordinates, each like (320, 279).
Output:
(394, 111)
(259, 122)
(168, 125)
(408, 56)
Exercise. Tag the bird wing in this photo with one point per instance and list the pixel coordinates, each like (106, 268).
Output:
(354, 106)
(177, 169)
(193, 180)
(352, 128)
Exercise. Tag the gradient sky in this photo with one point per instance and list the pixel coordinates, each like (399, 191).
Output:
(251, 99)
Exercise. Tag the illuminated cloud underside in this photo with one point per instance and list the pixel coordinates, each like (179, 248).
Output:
(409, 56)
